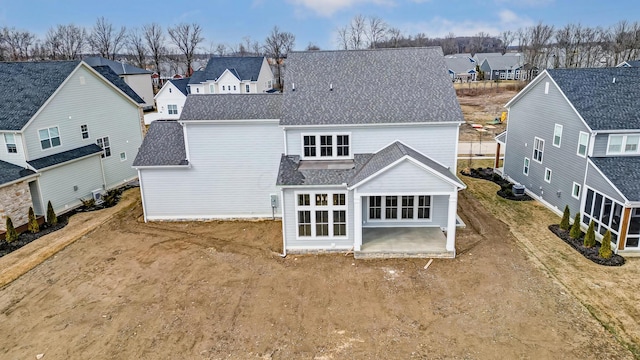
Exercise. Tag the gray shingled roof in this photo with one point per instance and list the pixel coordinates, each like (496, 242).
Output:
(117, 67)
(623, 172)
(181, 84)
(365, 165)
(10, 172)
(62, 157)
(244, 68)
(26, 86)
(403, 85)
(163, 145)
(603, 103)
(232, 107)
(459, 64)
(116, 80)
(504, 62)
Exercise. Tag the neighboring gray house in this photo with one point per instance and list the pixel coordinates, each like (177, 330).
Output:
(66, 130)
(573, 138)
(461, 67)
(138, 79)
(233, 75)
(510, 66)
(357, 162)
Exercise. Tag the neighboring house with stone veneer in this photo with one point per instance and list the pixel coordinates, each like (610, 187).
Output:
(65, 130)
(233, 75)
(340, 157)
(573, 138)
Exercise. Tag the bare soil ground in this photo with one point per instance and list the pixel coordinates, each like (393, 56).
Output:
(219, 290)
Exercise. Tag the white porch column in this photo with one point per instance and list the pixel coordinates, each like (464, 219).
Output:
(357, 222)
(451, 223)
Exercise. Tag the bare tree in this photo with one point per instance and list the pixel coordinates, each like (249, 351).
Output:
(312, 47)
(220, 50)
(449, 44)
(18, 43)
(357, 32)
(137, 48)
(343, 37)
(506, 39)
(277, 45)
(376, 31)
(155, 42)
(421, 39)
(187, 38)
(65, 42)
(535, 43)
(394, 35)
(478, 43)
(105, 39)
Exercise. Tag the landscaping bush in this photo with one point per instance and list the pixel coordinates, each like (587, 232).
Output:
(590, 236)
(88, 203)
(575, 232)
(52, 219)
(564, 224)
(605, 247)
(11, 234)
(592, 253)
(32, 225)
(111, 197)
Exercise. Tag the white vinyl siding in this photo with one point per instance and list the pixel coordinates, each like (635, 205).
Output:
(557, 135)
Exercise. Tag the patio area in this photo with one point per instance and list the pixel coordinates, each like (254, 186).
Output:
(403, 242)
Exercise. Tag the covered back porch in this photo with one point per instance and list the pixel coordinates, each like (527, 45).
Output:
(403, 242)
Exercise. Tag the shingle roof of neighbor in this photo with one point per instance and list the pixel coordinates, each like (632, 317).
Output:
(603, 103)
(364, 166)
(244, 68)
(116, 80)
(26, 86)
(232, 107)
(117, 67)
(181, 84)
(163, 145)
(10, 172)
(405, 85)
(622, 172)
(64, 156)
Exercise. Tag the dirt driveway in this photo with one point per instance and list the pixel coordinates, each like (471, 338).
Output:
(218, 290)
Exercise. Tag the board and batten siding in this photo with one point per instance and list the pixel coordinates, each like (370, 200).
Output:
(104, 110)
(291, 226)
(439, 215)
(232, 174)
(596, 181)
(57, 184)
(535, 115)
(435, 141)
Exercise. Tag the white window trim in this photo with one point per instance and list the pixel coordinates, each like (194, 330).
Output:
(546, 87)
(169, 109)
(7, 143)
(527, 167)
(399, 219)
(573, 195)
(82, 132)
(547, 171)
(622, 145)
(334, 146)
(583, 214)
(586, 145)
(125, 156)
(554, 135)
(329, 207)
(534, 150)
(212, 88)
(47, 128)
(110, 147)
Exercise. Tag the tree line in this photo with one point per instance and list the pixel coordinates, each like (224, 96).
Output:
(145, 47)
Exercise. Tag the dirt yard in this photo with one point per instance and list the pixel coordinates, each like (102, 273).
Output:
(219, 290)
(481, 105)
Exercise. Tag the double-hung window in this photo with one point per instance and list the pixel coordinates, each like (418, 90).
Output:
(105, 145)
(212, 88)
(538, 149)
(49, 137)
(247, 88)
(623, 144)
(10, 141)
(84, 130)
(321, 215)
(172, 109)
(583, 143)
(326, 146)
(405, 207)
(525, 167)
(557, 135)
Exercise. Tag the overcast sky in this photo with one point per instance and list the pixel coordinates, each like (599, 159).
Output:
(316, 21)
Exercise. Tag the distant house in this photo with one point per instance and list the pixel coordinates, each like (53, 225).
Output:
(171, 97)
(67, 132)
(629, 63)
(461, 67)
(573, 138)
(506, 67)
(138, 79)
(358, 164)
(233, 75)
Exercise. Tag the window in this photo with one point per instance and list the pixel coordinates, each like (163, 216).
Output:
(538, 149)
(170, 91)
(212, 88)
(583, 142)
(223, 87)
(547, 175)
(246, 88)
(575, 191)
(49, 137)
(172, 109)
(123, 156)
(84, 130)
(546, 87)
(623, 144)
(326, 216)
(557, 135)
(234, 88)
(104, 144)
(326, 146)
(406, 207)
(606, 214)
(10, 140)
(525, 168)
(198, 90)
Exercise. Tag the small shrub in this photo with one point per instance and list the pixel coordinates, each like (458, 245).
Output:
(88, 203)
(111, 197)
(590, 236)
(11, 234)
(575, 231)
(564, 224)
(32, 225)
(52, 219)
(605, 247)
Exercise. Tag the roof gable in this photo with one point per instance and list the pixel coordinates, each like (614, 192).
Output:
(162, 146)
(244, 68)
(117, 81)
(622, 172)
(10, 172)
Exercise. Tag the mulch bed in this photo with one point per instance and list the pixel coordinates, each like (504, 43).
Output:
(505, 186)
(589, 253)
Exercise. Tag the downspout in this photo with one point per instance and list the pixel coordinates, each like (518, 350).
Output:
(144, 207)
(284, 234)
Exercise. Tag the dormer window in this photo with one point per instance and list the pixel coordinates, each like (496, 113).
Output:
(326, 146)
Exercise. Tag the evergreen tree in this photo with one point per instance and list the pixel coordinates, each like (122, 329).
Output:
(52, 219)
(33, 226)
(11, 234)
(590, 236)
(575, 229)
(605, 247)
(564, 224)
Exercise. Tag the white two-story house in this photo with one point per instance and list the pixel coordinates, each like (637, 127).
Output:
(171, 97)
(66, 131)
(344, 165)
(233, 75)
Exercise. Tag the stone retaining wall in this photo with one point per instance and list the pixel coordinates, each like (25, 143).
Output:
(15, 201)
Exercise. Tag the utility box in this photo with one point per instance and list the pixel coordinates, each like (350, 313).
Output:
(274, 200)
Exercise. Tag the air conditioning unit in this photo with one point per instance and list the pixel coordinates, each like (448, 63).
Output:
(97, 196)
(518, 190)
